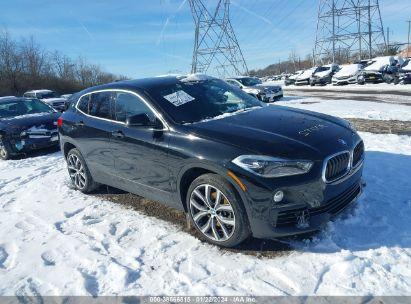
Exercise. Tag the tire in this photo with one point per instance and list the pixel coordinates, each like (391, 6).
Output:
(4, 150)
(79, 173)
(225, 226)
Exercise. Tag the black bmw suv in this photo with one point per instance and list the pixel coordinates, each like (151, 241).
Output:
(236, 165)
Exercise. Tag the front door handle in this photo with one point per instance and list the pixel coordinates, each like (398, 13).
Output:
(117, 134)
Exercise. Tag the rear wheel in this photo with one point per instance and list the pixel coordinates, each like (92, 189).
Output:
(217, 211)
(4, 150)
(79, 174)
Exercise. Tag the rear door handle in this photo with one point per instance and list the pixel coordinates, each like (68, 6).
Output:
(79, 124)
(117, 134)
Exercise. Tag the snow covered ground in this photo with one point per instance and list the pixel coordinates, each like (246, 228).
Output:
(350, 108)
(57, 241)
(377, 87)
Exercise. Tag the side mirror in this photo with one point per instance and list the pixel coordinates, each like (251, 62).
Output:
(66, 106)
(139, 120)
(143, 120)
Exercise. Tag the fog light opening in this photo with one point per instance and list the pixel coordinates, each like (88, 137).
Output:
(278, 196)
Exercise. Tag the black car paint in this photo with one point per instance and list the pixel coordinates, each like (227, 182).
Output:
(155, 163)
(11, 129)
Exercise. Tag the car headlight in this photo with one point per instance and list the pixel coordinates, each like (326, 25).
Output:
(267, 166)
(351, 126)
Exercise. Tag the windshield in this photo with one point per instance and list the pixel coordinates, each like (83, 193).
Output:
(249, 81)
(323, 69)
(15, 108)
(46, 95)
(188, 102)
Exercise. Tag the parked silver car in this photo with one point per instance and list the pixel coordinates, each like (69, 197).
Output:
(47, 96)
(254, 87)
(348, 74)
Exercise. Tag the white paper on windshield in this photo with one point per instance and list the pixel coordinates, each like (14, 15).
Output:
(179, 98)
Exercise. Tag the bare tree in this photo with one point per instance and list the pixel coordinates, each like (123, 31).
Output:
(25, 65)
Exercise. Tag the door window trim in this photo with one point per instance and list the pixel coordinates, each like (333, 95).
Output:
(152, 109)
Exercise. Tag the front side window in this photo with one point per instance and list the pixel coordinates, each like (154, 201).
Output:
(83, 104)
(127, 105)
(99, 104)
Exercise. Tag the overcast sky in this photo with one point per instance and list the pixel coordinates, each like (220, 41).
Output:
(141, 38)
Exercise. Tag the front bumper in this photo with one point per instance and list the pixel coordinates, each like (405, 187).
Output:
(270, 97)
(302, 82)
(373, 78)
(320, 81)
(344, 81)
(405, 78)
(309, 203)
(27, 144)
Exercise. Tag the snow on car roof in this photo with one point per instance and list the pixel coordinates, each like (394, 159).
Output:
(195, 77)
(40, 91)
(7, 97)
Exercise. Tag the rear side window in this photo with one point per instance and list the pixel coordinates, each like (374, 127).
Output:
(127, 105)
(99, 104)
(83, 104)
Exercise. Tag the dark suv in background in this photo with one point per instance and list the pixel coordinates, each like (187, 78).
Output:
(26, 124)
(236, 165)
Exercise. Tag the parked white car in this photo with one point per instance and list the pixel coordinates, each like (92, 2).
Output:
(348, 74)
(254, 87)
(304, 78)
(323, 75)
(47, 96)
(290, 79)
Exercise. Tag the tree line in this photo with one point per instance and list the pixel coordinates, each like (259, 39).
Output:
(25, 65)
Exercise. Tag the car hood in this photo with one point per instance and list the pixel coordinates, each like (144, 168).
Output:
(24, 122)
(280, 131)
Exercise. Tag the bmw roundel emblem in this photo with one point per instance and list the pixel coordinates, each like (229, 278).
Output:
(342, 142)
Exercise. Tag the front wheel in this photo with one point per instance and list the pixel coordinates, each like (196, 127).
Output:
(4, 150)
(217, 211)
(79, 174)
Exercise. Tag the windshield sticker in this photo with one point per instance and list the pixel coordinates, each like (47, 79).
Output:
(179, 98)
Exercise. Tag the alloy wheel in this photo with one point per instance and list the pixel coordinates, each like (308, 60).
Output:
(76, 171)
(212, 213)
(3, 152)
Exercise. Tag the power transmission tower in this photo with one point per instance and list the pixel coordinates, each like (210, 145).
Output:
(216, 49)
(348, 29)
(408, 41)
